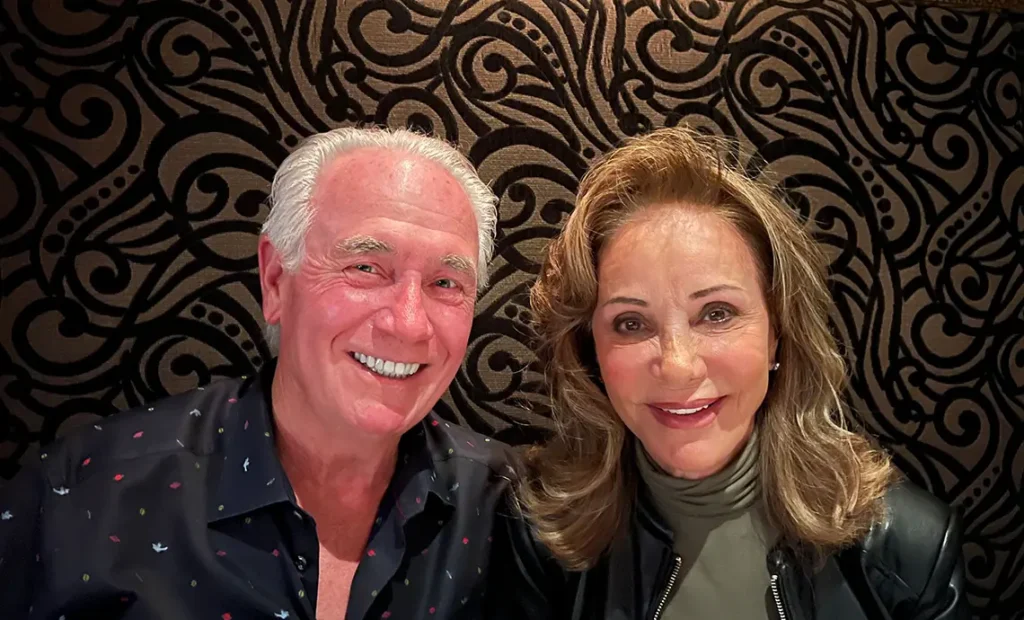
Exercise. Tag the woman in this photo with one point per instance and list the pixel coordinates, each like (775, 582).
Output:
(701, 467)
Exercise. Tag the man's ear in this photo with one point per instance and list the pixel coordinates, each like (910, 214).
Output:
(271, 280)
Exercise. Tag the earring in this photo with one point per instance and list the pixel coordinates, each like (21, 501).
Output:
(774, 367)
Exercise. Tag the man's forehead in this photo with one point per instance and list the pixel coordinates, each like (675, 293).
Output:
(375, 167)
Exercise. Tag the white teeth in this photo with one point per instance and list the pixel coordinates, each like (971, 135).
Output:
(394, 370)
(688, 411)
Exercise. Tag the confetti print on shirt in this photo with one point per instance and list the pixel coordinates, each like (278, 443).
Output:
(86, 462)
(225, 616)
(195, 413)
(118, 477)
(138, 435)
(159, 547)
(245, 466)
(61, 491)
(114, 538)
(175, 485)
(282, 614)
(6, 515)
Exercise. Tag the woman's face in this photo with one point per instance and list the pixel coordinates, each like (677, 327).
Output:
(683, 336)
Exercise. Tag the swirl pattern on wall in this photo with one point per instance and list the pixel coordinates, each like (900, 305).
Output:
(139, 139)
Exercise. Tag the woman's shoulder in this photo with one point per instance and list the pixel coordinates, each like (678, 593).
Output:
(917, 527)
(914, 553)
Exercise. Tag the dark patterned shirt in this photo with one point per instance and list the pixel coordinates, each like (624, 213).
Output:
(182, 510)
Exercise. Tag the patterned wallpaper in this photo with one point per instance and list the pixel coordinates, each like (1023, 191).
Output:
(139, 138)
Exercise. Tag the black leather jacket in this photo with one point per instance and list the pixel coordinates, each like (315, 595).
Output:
(909, 567)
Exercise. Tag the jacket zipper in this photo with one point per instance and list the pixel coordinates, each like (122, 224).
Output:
(776, 586)
(678, 563)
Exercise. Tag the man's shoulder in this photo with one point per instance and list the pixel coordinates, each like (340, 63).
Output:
(448, 441)
(185, 421)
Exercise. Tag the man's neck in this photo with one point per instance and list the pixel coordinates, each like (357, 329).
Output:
(336, 475)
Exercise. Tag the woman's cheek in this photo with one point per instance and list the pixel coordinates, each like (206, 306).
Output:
(619, 370)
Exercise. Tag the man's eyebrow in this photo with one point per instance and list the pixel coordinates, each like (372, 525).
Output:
(362, 244)
(459, 263)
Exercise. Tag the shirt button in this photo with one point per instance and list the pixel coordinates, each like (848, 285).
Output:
(301, 564)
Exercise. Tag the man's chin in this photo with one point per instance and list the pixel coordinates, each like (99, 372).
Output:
(380, 420)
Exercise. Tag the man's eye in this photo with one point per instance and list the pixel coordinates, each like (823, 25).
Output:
(366, 268)
(446, 283)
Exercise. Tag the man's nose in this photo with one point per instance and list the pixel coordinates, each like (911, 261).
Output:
(406, 317)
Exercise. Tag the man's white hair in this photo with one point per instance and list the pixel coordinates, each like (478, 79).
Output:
(292, 212)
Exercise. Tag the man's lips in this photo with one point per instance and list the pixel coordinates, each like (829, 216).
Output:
(386, 368)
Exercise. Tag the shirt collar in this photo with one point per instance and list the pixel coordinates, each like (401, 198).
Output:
(252, 476)
(423, 469)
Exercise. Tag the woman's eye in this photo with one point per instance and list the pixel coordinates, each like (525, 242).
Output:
(718, 315)
(628, 326)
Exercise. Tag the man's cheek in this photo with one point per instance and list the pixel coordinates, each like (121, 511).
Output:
(453, 325)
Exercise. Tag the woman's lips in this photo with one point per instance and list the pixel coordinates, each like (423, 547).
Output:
(708, 411)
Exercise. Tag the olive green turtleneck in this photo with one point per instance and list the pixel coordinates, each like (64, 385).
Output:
(720, 533)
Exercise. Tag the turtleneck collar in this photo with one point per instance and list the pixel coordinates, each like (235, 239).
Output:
(723, 494)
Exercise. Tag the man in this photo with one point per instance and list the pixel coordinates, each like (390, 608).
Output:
(321, 487)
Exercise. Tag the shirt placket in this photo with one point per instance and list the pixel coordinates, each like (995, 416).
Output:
(303, 550)
(382, 558)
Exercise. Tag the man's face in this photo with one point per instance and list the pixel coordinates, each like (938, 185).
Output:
(388, 281)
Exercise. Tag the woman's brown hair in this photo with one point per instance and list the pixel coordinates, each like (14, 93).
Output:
(822, 484)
